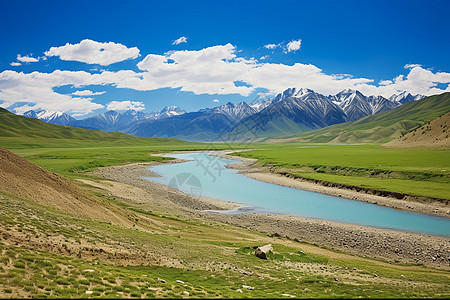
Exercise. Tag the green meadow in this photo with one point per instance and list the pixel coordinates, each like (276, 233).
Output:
(193, 257)
(196, 257)
(415, 171)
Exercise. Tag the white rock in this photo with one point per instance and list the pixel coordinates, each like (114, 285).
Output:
(88, 271)
(179, 281)
(89, 292)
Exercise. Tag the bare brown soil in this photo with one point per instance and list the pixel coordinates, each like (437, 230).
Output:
(24, 179)
(434, 134)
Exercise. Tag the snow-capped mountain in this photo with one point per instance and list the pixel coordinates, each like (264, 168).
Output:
(380, 104)
(166, 112)
(205, 124)
(58, 117)
(357, 106)
(259, 105)
(235, 112)
(294, 110)
(116, 121)
(405, 97)
(111, 120)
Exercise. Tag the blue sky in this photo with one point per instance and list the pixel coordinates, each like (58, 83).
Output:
(51, 55)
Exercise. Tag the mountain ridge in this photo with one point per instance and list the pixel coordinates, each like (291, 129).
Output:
(378, 128)
(292, 111)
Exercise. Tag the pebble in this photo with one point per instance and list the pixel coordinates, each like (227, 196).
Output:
(248, 287)
(160, 279)
(179, 281)
(89, 292)
(88, 271)
(287, 295)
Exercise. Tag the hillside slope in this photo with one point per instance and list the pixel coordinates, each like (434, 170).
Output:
(379, 128)
(433, 134)
(14, 127)
(26, 180)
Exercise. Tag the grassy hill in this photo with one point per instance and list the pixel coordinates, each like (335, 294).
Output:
(17, 130)
(379, 128)
(71, 151)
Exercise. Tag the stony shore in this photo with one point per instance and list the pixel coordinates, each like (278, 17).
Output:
(384, 244)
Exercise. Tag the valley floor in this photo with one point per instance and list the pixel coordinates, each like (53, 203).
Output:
(250, 168)
(389, 245)
(155, 241)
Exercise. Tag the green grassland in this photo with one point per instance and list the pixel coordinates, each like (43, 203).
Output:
(414, 171)
(71, 151)
(211, 260)
(52, 249)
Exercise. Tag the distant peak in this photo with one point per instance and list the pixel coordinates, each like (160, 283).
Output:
(303, 91)
(347, 91)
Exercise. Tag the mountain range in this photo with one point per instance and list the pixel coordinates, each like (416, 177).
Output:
(302, 110)
(378, 128)
(109, 121)
(290, 112)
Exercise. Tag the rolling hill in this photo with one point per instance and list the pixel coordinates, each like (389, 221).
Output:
(18, 129)
(379, 128)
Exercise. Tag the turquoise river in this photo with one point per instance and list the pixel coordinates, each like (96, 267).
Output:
(205, 175)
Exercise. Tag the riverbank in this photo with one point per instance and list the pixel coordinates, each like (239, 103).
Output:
(250, 168)
(390, 245)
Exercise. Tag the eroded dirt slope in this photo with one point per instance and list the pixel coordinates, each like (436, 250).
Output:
(24, 179)
(433, 134)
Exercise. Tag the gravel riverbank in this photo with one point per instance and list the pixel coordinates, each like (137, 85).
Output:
(388, 245)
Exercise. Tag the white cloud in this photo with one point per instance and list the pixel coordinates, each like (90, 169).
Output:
(215, 100)
(36, 90)
(271, 46)
(418, 81)
(410, 66)
(385, 82)
(180, 40)
(26, 59)
(125, 105)
(212, 70)
(15, 64)
(294, 45)
(92, 52)
(87, 93)
(264, 57)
